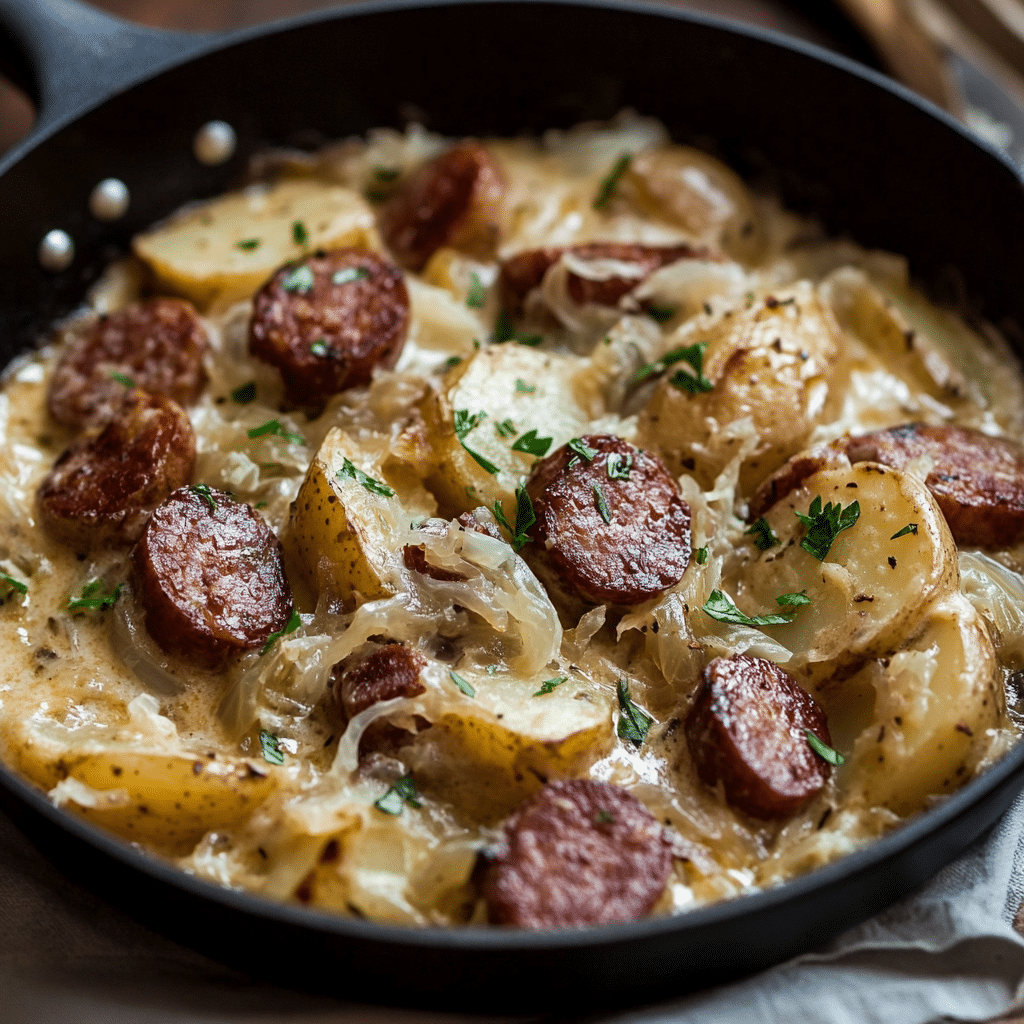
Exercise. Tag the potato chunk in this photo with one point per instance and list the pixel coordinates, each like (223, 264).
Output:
(223, 250)
(518, 390)
(771, 363)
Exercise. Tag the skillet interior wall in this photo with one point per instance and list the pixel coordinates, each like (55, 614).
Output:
(860, 158)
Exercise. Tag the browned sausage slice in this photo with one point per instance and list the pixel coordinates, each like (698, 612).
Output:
(521, 273)
(612, 528)
(157, 345)
(390, 671)
(452, 200)
(415, 555)
(326, 321)
(976, 480)
(748, 730)
(103, 488)
(210, 576)
(577, 853)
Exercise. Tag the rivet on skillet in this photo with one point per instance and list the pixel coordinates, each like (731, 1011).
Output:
(109, 199)
(56, 250)
(214, 143)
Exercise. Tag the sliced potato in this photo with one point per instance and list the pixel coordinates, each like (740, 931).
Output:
(440, 321)
(513, 385)
(488, 753)
(771, 364)
(223, 250)
(341, 534)
(872, 589)
(935, 700)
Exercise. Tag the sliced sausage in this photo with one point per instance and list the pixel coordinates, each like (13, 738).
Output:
(976, 480)
(390, 671)
(613, 528)
(748, 730)
(326, 321)
(577, 853)
(103, 488)
(210, 576)
(415, 556)
(521, 273)
(452, 200)
(157, 345)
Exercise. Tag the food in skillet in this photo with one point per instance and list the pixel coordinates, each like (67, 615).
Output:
(545, 533)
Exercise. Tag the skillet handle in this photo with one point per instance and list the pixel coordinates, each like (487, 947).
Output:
(68, 56)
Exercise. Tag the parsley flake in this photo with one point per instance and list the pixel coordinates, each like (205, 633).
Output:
(585, 451)
(604, 817)
(204, 492)
(271, 747)
(523, 388)
(248, 244)
(702, 555)
(531, 444)
(13, 584)
(491, 669)
(793, 600)
(289, 627)
(619, 466)
(451, 362)
(909, 528)
(351, 472)
(720, 607)
(278, 430)
(382, 173)
(350, 274)
(477, 294)
(123, 378)
(602, 503)
(464, 423)
(506, 428)
(633, 721)
(401, 793)
(300, 236)
(549, 685)
(662, 314)
(461, 683)
(823, 750)
(611, 181)
(504, 330)
(525, 518)
(825, 524)
(320, 348)
(764, 536)
(244, 393)
(299, 279)
(92, 598)
(691, 354)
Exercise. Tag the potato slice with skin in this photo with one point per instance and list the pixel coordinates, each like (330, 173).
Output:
(528, 389)
(488, 753)
(223, 250)
(872, 589)
(341, 533)
(935, 700)
(772, 363)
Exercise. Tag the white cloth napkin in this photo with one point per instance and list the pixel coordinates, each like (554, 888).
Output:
(948, 953)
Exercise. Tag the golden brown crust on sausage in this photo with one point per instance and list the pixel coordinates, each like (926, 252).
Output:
(747, 729)
(390, 671)
(326, 333)
(577, 853)
(104, 487)
(453, 200)
(211, 579)
(158, 345)
(639, 553)
(521, 273)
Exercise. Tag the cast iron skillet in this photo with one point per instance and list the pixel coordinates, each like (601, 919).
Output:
(835, 139)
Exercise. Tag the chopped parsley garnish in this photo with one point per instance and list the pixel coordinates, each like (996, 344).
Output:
(204, 492)
(661, 313)
(619, 466)
(401, 793)
(491, 669)
(825, 524)
(823, 750)
(702, 555)
(763, 535)
(604, 817)
(525, 518)
(289, 627)
(523, 388)
(691, 354)
(92, 598)
(278, 430)
(633, 721)
(464, 423)
(451, 362)
(504, 330)
(531, 444)
(244, 393)
(584, 451)
(261, 504)
(124, 379)
(477, 294)
(719, 607)
(461, 683)
(320, 348)
(382, 173)
(602, 503)
(271, 747)
(506, 428)
(549, 684)
(909, 528)
(248, 244)
(350, 274)
(300, 236)
(793, 600)
(13, 584)
(350, 472)
(611, 181)
(299, 279)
